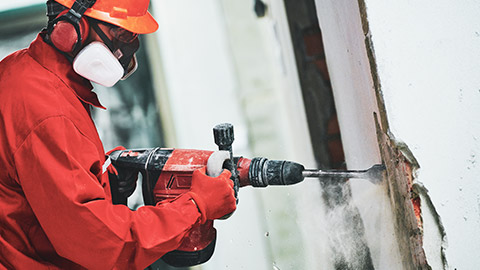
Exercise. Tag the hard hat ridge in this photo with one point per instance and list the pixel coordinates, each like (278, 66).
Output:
(131, 15)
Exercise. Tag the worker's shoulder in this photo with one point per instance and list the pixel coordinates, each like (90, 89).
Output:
(24, 81)
(28, 91)
(20, 71)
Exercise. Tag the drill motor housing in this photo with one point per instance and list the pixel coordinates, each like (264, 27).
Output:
(167, 174)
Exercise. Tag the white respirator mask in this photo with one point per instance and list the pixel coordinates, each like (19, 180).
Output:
(106, 62)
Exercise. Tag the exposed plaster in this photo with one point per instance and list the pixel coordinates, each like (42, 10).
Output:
(401, 171)
(405, 193)
(400, 166)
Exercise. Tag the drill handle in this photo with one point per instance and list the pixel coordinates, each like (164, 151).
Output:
(218, 161)
(117, 197)
(224, 136)
(122, 184)
(128, 164)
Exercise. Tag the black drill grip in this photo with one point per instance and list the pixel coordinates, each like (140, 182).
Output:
(117, 197)
(223, 136)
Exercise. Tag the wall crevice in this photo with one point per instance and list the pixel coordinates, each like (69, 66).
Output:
(401, 167)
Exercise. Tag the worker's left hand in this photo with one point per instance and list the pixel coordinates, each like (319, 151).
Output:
(214, 196)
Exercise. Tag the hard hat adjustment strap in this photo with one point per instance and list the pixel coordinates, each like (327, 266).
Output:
(79, 8)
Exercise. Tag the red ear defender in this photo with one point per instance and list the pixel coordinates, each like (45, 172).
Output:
(64, 35)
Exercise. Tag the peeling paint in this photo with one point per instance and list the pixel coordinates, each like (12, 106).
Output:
(422, 191)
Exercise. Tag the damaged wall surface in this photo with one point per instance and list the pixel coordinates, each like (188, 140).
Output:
(415, 65)
(427, 55)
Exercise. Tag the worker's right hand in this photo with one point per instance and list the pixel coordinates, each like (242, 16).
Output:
(125, 179)
(214, 196)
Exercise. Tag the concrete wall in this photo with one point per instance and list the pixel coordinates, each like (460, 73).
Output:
(428, 54)
(418, 63)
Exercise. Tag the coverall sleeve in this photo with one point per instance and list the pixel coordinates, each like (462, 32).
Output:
(54, 167)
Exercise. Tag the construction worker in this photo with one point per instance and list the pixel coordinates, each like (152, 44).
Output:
(55, 199)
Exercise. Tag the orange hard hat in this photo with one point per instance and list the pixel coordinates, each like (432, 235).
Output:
(131, 15)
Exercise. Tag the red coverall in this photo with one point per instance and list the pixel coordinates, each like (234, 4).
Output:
(55, 201)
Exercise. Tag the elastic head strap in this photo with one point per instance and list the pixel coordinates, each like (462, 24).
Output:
(78, 9)
(94, 23)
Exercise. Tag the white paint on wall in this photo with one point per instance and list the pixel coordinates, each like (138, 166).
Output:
(428, 55)
(198, 69)
(355, 102)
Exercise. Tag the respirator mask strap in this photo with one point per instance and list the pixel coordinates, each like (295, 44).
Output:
(94, 23)
(121, 47)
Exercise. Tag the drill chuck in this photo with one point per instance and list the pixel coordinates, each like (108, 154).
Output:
(264, 172)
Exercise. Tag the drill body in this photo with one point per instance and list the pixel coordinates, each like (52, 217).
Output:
(167, 173)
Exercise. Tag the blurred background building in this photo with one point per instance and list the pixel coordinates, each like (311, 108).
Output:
(401, 86)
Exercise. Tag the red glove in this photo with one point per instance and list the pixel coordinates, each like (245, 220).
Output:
(214, 196)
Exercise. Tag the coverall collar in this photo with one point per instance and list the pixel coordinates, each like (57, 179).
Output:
(59, 65)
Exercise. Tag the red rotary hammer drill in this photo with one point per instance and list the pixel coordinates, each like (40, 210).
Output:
(167, 173)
